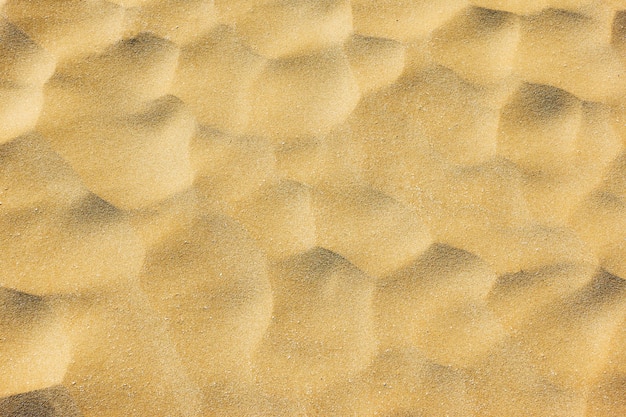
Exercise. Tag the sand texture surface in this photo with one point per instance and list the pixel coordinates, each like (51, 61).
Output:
(312, 208)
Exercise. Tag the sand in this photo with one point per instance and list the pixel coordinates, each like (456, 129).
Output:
(312, 208)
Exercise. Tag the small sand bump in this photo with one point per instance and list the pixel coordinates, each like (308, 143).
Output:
(401, 382)
(579, 49)
(368, 237)
(23, 62)
(100, 248)
(540, 122)
(614, 260)
(78, 27)
(510, 385)
(615, 363)
(219, 158)
(280, 217)
(298, 346)
(51, 208)
(122, 79)
(322, 93)
(181, 21)
(215, 78)
(333, 159)
(448, 275)
(156, 223)
(389, 116)
(137, 176)
(49, 179)
(479, 44)
(615, 183)
(596, 146)
(211, 279)
(444, 281)
(375, 62)
(288, 28)
(19, 109)
(28, 328)
(591, 318)
(402, 20)
(537, 246)
(600, 219)
(230, 11)
(517, 298)
(124, 362)
(460, 119)
(446, 198)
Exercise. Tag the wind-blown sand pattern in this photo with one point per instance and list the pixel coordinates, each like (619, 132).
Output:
(312, 208)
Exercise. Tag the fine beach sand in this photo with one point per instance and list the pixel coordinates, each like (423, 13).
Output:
(312, 208)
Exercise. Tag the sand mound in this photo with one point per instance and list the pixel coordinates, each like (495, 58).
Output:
(313, 207)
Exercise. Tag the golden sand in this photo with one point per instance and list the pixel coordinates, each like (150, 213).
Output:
(312, 208)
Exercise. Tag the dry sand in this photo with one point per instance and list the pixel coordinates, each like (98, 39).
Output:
(312, 208)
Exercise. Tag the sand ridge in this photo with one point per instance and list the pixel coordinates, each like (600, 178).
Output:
(313, 207)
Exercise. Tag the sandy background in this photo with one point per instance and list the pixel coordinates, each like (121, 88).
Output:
(312, 208)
